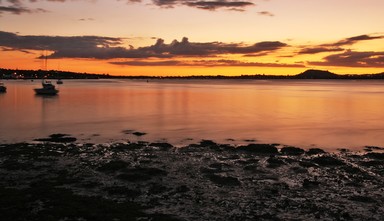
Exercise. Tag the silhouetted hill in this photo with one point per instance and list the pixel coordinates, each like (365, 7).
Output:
(317, 74)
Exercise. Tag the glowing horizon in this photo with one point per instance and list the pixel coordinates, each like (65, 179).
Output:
(190, 37)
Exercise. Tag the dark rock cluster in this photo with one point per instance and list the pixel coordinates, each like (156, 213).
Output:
(204, 181)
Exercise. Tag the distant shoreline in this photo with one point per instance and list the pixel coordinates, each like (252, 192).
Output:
(55, 74)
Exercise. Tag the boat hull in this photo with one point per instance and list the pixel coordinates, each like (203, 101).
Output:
(43, 91)
(3, 89)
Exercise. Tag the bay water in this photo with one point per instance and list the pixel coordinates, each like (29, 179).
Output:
(328, 114)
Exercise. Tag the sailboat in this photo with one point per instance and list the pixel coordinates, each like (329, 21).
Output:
(3, 88)
(47, 89)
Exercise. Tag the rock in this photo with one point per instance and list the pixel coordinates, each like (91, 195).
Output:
(327, 161)
(162, 146)
(141, 174)
(139, 134)
(52, 181)
(274, 162)
(310, 184)
(182, 189)
(58, 138)
(160, 217)
(224, 180)
(127, 131)
(114, 166)
(305, 163)
(259, 148)
(363, 199)
(212, 145)
(372, 148)
(314, 151)
(292, 151)
(379, 156)
(207, 143)
(157, 189)
(130, 146)
(210, 170)
(123, 190)
(219, 166)
(372, 163)
(252, 168)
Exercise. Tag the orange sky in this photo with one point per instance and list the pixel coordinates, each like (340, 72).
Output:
(191, 37)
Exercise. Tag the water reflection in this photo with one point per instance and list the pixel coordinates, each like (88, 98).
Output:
(303, 113)
(47, 110)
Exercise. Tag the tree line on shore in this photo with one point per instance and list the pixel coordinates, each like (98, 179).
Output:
(54, 74)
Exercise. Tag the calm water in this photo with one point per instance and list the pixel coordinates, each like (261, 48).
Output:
(321, 113)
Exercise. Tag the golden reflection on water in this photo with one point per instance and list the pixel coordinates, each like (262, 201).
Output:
(328, 114)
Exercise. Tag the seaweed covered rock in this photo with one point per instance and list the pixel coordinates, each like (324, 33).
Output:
(58, 138)
(114, 165)
(259, 148)
(138, 181)
(223, 180)
(327, 161)
(378, 156)
(274, 162)
(141, 174)
(291, 151)
(314, 151)
(162, 146)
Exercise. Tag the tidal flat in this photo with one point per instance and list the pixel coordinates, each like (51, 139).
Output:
(204, 181)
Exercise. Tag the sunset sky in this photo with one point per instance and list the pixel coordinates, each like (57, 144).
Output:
(193, 37)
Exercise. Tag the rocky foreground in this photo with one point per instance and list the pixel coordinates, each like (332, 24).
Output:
(205, 181)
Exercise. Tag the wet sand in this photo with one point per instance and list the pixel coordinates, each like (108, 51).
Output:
(205, 181)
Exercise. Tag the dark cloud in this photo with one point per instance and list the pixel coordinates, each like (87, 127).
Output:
(204, 63)
(219, 4)
(18, 6)
(14, 10)
(108, 48)
(11, 49)
(353, 40)
(320, 49)
(226, 62)
(353, 59)
(86, 19)
(77, 46)
(264, 47)
(337, 46)
(163, 54)
(266, 13)
(42, 42)
(347, 58)
(150, 63)
(186, 48)
(206, 5)
(259, 54)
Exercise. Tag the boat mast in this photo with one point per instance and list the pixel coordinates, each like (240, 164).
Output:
(45, 61)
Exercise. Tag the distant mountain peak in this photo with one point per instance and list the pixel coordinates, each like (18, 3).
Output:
(317, 74)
